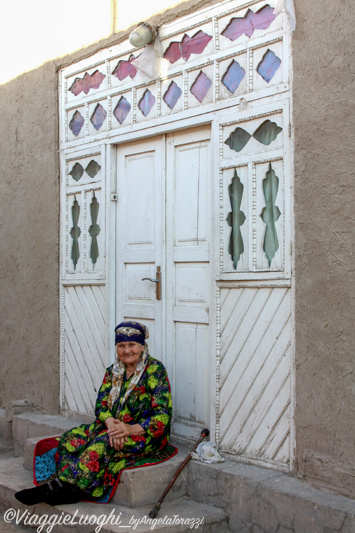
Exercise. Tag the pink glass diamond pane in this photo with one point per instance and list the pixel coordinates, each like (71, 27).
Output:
(187, 46)
(249, 23)
(233, 76)
(89, 81)
(76, 123)
(98, 117)
(172, 95)
(122, 109)
(201, 86)
(146, 103)
(268, 65)
(125, 68)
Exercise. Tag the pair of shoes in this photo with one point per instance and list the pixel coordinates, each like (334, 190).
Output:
(56, 492)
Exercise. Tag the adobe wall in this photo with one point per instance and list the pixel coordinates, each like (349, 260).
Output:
(323, 60)
(324, 237)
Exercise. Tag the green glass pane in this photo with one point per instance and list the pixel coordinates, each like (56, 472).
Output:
(76, 172)
(238, 139)
(92, 169)
(75, 233)
(267, 132)
(94, 230)
(235, 219)
(270, 214)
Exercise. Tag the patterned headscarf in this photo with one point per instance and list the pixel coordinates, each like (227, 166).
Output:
(126, 332)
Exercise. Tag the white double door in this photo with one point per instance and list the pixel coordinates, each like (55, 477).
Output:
(164, 223)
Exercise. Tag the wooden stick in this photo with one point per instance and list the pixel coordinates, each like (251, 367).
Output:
(154, 511)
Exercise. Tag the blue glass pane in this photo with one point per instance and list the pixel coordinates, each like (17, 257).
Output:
(76, 123)
(122, 109)
(172, 95)
(98, 117)
(201, 86)
(268, 65)
(233, 76)
(146, 103)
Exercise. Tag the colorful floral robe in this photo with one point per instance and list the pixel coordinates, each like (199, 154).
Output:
(85, 457)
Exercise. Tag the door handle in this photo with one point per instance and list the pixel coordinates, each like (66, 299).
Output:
(157, 280)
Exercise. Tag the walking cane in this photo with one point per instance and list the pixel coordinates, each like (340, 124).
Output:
(153, 513)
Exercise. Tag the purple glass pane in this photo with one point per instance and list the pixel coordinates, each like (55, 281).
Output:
(146, 103)
(86, 83)
(172, 95)
(249, 23)
(122, 109)
(268, 65)
(201, 86)
(233, 76)
(125, 68)
(98, 117)
(187, 46)
(76, 123)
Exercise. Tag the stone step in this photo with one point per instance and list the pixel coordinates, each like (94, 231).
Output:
(132, 489)
(175, 516)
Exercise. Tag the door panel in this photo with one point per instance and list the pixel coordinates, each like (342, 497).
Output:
(188, 219)
(139, 235)
(163, 218)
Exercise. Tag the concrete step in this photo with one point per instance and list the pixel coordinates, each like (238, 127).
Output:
(175, 516)
(35, 424)
(132, 489)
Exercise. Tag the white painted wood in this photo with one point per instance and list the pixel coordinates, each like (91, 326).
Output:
(139, 235)
(227, 345)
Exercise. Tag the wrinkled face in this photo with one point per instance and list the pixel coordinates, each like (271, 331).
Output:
(129, 352)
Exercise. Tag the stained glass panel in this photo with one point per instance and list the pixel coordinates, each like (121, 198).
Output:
(267, 132)
(86, 83)
(249, 23)
(98, 117)
(237, 139)
(172, 95)
(146, 103)
(122, 109)
(125, 68)
(201, 86)
(92, 169)
(268, 65)
(75, 233)
(233, 76)
(187, 46)
(94, 230)
(236, 219)
(76, 123)
(270, 214)
(76, 172)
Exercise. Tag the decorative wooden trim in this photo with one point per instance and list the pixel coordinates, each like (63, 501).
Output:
(251, 117)
(263, 284)
(254, 251)
(218, 365)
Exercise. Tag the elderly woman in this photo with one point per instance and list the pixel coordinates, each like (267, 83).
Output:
(133, 414)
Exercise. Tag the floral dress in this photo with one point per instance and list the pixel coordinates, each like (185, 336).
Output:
(85, 457)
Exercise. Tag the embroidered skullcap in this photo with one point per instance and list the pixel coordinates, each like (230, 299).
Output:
(131, 331)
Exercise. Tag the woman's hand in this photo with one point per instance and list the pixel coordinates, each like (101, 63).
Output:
(119, 431)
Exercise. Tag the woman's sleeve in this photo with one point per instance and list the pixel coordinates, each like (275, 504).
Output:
(156, 421)
(102, 412)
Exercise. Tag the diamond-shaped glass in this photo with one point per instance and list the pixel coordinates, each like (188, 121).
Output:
(98, 117)
(76, 123)
(201, 86)
(146, 103)
(172, 95)
(268, 65)
(93, 168)
(76, 172)
(233, 76)
(122, 109)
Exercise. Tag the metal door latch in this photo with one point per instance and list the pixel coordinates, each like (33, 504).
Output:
(157, 280)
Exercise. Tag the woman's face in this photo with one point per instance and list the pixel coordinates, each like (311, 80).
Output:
(129, 352)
